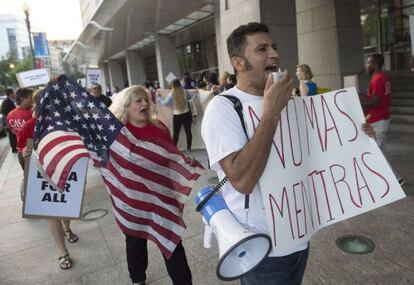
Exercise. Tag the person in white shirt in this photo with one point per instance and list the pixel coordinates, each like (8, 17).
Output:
(254, 57)
(178, 98)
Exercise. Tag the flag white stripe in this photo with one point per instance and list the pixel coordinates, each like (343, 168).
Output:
(138, 195)
(145, 228)
(152, 166)
(58, 148)
(54, 135)
(158, 188)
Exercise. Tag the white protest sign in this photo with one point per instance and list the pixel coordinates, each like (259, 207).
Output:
(322, 168)
(42, 200)
(351, 81)
(33, 77)
(93, 76)
(170, 77)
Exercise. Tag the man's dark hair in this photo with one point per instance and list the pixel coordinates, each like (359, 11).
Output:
(236, 42)
(9, 92)
(23, 93)
(378, 59)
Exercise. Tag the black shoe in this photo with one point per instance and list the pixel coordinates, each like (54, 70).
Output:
(401, 181)
(14, 150)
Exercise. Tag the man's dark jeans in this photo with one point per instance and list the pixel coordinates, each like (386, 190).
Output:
(284, 270)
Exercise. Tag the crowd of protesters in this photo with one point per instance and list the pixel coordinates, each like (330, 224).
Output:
(136, 110)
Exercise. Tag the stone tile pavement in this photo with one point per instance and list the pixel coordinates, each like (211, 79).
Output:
(28, 254)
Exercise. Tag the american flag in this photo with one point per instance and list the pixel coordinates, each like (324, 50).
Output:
(148, 180)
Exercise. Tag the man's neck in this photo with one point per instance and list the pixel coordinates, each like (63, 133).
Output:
(247, 88)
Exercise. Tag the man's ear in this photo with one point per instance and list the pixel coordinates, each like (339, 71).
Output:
(237, 63)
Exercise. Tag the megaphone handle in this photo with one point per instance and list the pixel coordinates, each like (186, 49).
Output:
(215, 189)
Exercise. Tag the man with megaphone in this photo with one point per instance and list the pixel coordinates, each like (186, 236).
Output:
(255, 61)
(254, 58)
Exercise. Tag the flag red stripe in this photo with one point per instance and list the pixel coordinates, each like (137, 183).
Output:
(53, 143)
(150, 175)
(66, 170)
(155, 157)
(131, 184)
(144, 206)
(51, 167)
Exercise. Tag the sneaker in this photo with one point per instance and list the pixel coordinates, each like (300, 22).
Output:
(401, 181)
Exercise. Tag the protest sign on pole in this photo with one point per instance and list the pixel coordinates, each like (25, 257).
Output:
(33, 77)
(93, 76)
(322, 168)
(43, 200)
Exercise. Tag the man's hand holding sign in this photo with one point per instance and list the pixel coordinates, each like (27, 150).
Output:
(323, 167)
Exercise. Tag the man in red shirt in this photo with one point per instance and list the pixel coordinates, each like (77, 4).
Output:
(17, 117)
(378, 101)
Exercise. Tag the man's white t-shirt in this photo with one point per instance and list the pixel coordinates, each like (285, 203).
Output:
(223, 134)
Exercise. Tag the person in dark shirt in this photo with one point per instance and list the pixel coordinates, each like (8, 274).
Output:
(97, 93)
(7, 106)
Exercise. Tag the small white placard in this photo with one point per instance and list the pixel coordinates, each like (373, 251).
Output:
(33, 77)
(42, 200)
(170, 77)
(93, 76)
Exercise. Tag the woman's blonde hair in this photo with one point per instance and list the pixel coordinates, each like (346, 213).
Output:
(178, 94)
(124, 99)
(36, 99)
(223, 78)
(306, 71)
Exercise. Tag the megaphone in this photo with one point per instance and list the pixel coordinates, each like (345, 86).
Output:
(241, 250)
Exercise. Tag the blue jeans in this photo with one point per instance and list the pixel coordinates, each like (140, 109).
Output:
(283, 270)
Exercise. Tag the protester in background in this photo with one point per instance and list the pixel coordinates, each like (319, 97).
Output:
(115, 91)
(178, 98)
(202, 81)
(108, 92)
(377, 102)
(152, 90)
(133, 110)
(304, 75)
(231, 82)
(188, 82)
(7, 106)
(97, 93)
(253, 56)
(60, 229)
(223, 80)
(23, 113)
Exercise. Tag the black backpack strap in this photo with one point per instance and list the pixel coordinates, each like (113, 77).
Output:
(239, 109)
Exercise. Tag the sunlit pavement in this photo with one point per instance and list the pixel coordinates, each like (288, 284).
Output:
(28, 254)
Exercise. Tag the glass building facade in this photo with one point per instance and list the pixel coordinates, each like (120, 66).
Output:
(386, 29)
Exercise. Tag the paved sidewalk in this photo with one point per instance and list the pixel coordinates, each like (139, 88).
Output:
(28, 254)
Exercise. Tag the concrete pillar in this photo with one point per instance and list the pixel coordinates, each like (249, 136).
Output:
(167, 60)
(116, 77)
(135, 68)
(232, 14)
(280, 16)
(105, 75)
(330, 39)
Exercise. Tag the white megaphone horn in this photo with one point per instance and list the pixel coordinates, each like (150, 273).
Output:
(241, 250)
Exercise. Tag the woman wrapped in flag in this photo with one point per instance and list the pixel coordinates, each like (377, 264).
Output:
(147, 177)
(133, 109)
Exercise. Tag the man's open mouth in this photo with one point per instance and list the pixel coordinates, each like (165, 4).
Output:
(272, 68)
